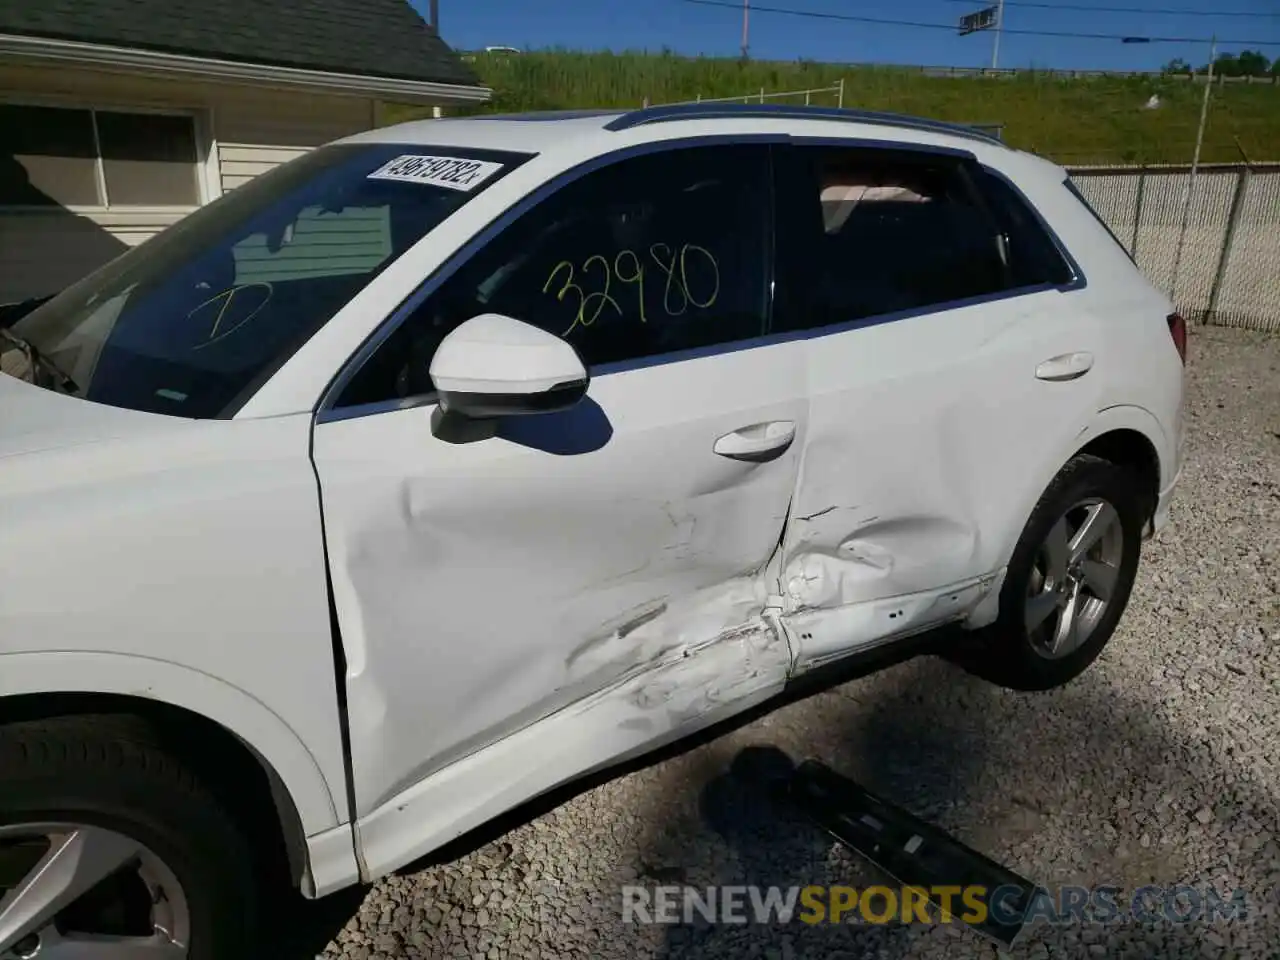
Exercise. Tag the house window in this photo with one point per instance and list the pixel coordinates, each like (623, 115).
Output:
(56, 156)
(47, 156)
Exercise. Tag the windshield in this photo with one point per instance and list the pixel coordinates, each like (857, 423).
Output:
(193, 321)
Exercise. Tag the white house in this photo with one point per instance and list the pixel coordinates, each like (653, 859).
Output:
(117, 117)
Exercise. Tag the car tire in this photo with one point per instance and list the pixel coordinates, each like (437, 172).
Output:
(1022, 652)
(104, 784)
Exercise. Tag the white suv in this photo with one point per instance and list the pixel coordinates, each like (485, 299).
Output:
(448, 463)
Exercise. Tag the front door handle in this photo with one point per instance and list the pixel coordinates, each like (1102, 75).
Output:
(758, 442)
(1065, 366)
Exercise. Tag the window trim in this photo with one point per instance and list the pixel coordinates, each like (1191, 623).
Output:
(208, 179)
(327, 410)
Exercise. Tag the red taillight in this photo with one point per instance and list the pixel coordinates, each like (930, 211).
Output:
(1178, 330)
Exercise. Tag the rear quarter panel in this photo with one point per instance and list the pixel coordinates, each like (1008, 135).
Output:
(1141, 373)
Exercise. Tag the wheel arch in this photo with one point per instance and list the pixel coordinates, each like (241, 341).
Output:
(232, 768)
(1127, 435)
(1133, 450)
(240, 749)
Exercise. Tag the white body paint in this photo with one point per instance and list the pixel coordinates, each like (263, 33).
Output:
(133, 564)
(687, 689)
(916, 496)
(524, 359)
(512, 618)
(650, 545)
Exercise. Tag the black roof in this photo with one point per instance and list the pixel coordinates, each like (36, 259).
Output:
(375, 38)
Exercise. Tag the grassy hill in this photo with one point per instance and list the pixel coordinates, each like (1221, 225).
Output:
(1074, 121)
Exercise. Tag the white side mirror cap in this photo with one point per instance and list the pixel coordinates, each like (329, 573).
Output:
(494, 365)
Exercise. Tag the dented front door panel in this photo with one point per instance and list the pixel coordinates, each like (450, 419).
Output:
(482, 587)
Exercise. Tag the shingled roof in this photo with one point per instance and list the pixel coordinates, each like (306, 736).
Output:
(373, 38)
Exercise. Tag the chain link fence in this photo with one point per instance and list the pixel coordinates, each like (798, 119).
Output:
(1229, 271)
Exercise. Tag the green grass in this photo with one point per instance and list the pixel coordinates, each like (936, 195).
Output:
(1099, 120)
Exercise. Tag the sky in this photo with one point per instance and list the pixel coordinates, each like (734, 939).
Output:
(691, 29)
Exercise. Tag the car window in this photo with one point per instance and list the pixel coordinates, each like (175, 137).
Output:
(879, 232)
(190, 322)
(650, 255)
(1033, 256)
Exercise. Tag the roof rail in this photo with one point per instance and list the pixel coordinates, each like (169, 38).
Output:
(782, 111)
(536, 116)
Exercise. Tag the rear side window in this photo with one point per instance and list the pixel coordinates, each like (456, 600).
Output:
(881, 232)
(874, 232)
(1032, 255)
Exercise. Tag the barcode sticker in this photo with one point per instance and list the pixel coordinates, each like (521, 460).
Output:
(453, 173)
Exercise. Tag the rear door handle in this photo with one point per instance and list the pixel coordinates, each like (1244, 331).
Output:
(1065, 366)
(757, 443)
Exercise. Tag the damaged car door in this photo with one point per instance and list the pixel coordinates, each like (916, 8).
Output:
(930, 296)
(597, 573)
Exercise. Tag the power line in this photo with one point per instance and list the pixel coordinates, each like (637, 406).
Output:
(1162, 10)
(951, 27)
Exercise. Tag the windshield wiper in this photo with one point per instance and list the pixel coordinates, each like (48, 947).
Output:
(36, 359)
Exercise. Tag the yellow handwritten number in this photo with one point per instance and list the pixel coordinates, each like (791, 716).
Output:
(568, 285)
(627, 267)
(637, 277)
(665, 258)
(684, 275)
(604, 297)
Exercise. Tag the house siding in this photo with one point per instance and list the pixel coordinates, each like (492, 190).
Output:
(257, 134)
(42, 252)
(245, 131)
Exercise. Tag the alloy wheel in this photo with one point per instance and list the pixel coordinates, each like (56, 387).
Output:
(1073, 578)
(77, 892)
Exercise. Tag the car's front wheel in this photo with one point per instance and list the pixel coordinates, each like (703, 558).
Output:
(1068, 581)
(111, 850)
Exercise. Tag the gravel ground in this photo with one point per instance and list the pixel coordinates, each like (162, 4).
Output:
(1161, 764)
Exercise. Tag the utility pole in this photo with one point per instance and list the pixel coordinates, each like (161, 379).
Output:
(1195, 167)
(995, 50)
(434, 8)
(746, 23)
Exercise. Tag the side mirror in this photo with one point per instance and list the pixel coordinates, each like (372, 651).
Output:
(496, 366)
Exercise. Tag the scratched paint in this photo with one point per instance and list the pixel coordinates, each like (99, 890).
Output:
(830, 633)
(913, 483)
(483, 586)
(834, 565)
(688, 689)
